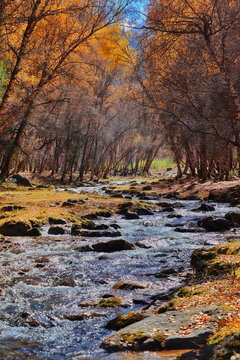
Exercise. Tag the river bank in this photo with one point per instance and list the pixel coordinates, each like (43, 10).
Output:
(123, 245)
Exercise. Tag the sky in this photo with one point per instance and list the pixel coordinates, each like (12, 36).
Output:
(137, 9)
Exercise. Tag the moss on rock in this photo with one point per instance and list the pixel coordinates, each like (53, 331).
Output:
(113, 302)
(124, 320)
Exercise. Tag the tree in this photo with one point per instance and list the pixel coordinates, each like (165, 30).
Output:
(38, 42)
(190, 78)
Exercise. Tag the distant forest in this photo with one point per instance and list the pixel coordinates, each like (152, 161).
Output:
(99, 87)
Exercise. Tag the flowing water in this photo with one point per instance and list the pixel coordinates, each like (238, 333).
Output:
(33, 312)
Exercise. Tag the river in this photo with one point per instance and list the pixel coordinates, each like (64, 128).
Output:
(33, 312)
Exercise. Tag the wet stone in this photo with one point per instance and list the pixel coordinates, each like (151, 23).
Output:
(215, 224)
(113, 245)
(75, 317)
(128, 285)
(205, 207)
(144, 211)
(234, 218)
(56, 221)
(124, 320)
(147, 188)
(35, 321)
(130, 215)
(56, 230)
(189, 230)
(96, 234)
(65, 282)
(34, 232)
(111, 302)
(15, 228)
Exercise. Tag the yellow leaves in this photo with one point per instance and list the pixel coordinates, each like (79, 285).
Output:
(114, 46)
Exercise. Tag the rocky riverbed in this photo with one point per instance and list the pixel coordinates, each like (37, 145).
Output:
(59, 291)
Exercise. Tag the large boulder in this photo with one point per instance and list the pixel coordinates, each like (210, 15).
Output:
(205, 207)
(231, 195)
(131, 215)
(215, 224)
(113, 245)
(97, 234)
(227, 349)
(56, 221)
(20, 180)
(56, 230)
(18, 228)
(144, 211)
(234, 218)
(164, 332)
(88, 228)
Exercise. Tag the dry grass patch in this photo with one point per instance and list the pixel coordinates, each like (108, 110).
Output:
(40, 204)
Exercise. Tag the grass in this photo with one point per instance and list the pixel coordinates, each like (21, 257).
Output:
(159, 164)
(40, 204)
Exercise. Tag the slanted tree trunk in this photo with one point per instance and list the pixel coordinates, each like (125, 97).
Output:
(5, 168)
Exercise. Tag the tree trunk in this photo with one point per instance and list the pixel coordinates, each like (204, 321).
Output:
(5, 168)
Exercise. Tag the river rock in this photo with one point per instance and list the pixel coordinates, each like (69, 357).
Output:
(165, 272)
(215, 224)
(163, 331)
(117, 195)
(115, 226)
(104, 213)
(128, 285)
(111, 301)
(35, 321)
(34, 232)
(144, 211)
(96, 234)
(56, 230)
(205, 207)
(147, 188)
(42, 261)
(172, 195)
(163, 204)
(124, 320)
(189, 230)
(227, 348)
(20, 180)
(143, 244)
(231, 195)
(86, 224)
(18, 228)
(234, 218)
(124, 207)
(67, 204)
(91, 216)
(56, 221)
(131, 215)
(83, 248)
(76, 317)
(65, 282)
(89, 225)
(11, 208)
(113, 245)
